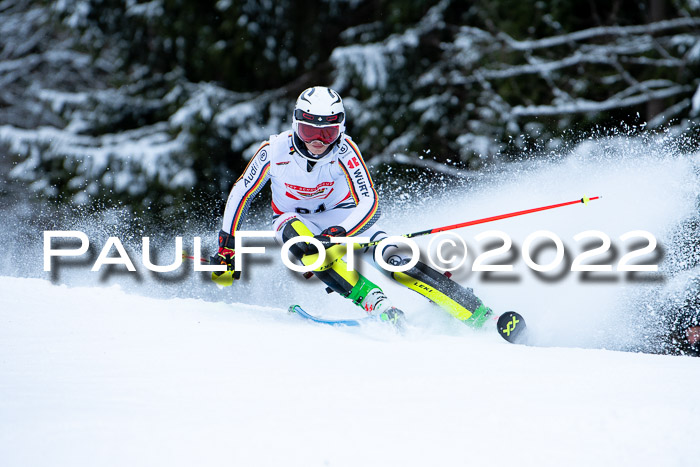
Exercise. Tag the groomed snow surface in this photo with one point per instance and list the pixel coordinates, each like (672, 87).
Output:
(100, 377)
(110, 371)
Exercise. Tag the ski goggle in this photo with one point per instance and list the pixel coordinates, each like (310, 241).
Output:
(326, 134)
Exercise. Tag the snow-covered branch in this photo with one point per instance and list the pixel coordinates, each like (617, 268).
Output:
(586, 106)
(586, 34)
(137, 100)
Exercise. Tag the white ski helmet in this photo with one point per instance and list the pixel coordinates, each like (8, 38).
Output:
(319, 115)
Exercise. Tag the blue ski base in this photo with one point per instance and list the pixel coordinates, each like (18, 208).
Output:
(511, 325)
(299, 311)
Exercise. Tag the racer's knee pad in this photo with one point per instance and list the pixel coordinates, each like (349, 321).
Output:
(392, 253)
(333, 271)
(296, 228)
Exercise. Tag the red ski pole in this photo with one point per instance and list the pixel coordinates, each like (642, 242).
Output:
(583, 200)
(201, 260)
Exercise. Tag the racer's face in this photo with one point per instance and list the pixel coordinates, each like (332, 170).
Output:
(316, 147)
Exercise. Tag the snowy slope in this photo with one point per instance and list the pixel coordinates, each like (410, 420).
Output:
(117, 369)
(100, 377)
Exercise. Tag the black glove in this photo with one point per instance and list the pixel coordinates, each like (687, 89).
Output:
(225, 256)
(333, 231)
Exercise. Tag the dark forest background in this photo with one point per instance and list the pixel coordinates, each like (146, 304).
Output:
(161, 103)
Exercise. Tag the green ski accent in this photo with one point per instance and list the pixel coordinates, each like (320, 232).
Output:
(479, 316)
(363, 287)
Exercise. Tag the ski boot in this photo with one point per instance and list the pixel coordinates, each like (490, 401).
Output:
(377, 304)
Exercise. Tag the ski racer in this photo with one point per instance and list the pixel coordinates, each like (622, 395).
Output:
(321, 188)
